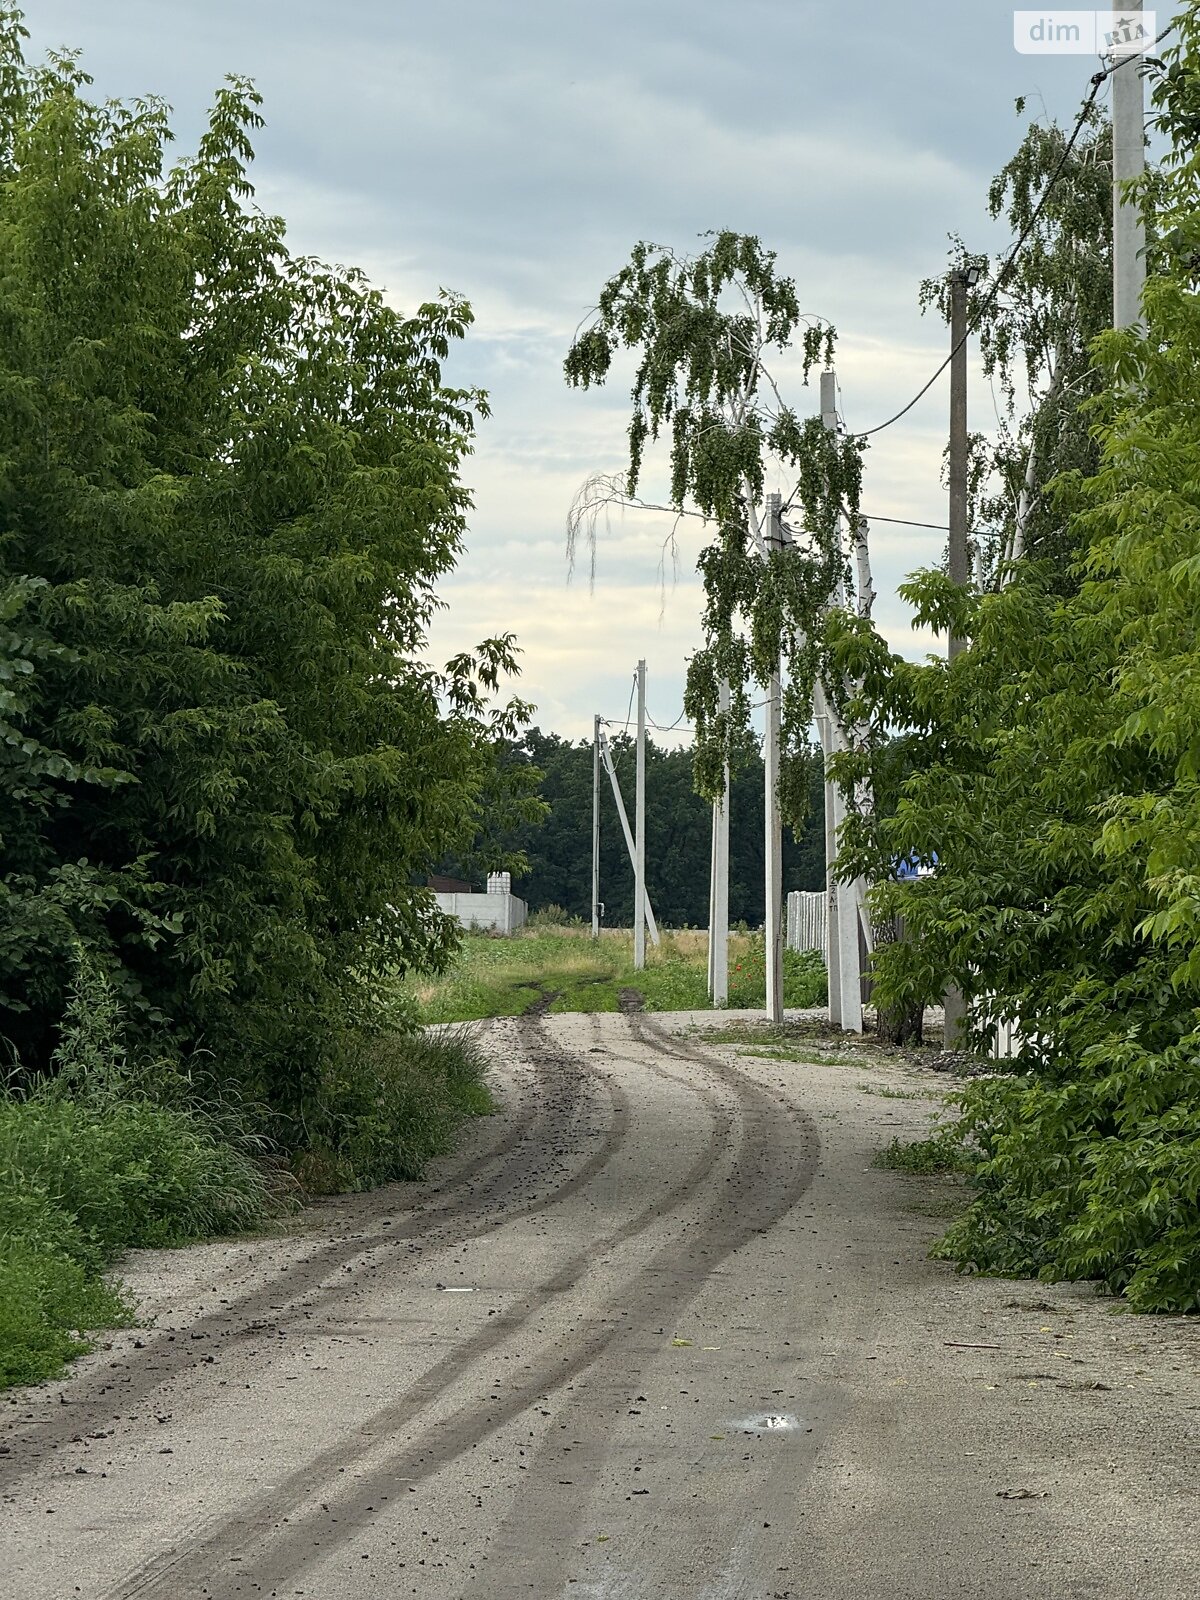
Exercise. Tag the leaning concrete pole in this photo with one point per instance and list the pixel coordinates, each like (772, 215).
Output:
(627, 831)
(639, 828)
(1129, 161)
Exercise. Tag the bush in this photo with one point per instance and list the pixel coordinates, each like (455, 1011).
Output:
(805, 982)
(80, 1181)
(804, 979)
(391, 1106)
(1094, 1178)
(45, 1297)
(90, 1165)
(550, 916)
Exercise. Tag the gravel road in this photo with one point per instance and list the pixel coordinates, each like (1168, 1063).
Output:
(658, 1332)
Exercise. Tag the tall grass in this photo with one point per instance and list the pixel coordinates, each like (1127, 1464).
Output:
(391, 1107)
(83, 1178)
(91, 1163)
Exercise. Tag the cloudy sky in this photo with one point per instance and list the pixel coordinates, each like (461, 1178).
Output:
(515, 150)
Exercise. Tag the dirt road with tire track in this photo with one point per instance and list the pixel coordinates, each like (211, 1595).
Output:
(659, 1330)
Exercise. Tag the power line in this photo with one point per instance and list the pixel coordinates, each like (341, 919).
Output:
(1098, 79)
(908, 522)
(659, 727)
(670, 727)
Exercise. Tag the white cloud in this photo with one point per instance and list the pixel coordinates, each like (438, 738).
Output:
(515, 153)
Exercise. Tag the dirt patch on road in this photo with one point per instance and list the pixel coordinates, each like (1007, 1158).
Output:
(631, 1000)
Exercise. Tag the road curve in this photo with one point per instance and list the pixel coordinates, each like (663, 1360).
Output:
(660, 1330)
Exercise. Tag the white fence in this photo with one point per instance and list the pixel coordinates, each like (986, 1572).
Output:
(807, 921)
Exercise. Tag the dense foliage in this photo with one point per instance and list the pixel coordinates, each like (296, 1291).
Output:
(1057, 775)
(228, 485)
(678, 837)
(1035, 321)
(229, 482)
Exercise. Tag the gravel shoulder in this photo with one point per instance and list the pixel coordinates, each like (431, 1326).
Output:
(658, 1329)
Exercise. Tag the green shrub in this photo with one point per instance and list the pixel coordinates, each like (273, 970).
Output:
(1093, 1178)
(549, 916)
(90, 1166)
(391, 1106)
(805, 982)
(130, 1173)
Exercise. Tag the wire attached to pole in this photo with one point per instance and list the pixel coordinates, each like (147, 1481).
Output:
(1098, 79)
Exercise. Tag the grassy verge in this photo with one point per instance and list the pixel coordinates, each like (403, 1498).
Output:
(567, 970)
(83, 1178)
(107, 1157)
(391, 1108)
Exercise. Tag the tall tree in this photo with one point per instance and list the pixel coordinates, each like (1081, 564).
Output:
(705, 330)
(1036, 323)
(228, 484)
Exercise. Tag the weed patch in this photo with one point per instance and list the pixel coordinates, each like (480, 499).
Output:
(392, 1107)
(941, 1152)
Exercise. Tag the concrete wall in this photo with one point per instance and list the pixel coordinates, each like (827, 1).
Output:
(500, 911)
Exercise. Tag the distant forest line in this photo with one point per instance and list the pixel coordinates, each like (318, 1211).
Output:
(678, 838)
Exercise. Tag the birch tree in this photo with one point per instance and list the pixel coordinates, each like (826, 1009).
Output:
(708, 332)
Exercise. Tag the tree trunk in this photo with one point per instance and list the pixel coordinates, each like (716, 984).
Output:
(900, 1024)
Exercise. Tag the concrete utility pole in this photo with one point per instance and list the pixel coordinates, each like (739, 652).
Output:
(833, 973)
(772, 925)
(1129, 161)
(639, 865)
(959, 565)
(843, 962)
(718, 922)
(596, 827)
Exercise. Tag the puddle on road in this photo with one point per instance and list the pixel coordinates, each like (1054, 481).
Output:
(772, 1422)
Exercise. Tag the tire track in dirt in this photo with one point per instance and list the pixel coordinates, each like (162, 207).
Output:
(544, 1562)
(563, 1094)
(773, 1179)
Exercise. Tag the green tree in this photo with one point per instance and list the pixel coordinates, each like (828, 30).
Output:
(228, 485)
(1060, 792)
(1035, 326)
